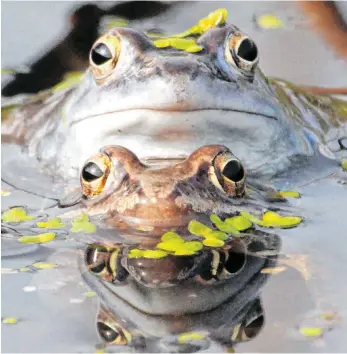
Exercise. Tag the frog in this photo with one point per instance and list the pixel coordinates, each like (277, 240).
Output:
(161, 272)
(164, 98)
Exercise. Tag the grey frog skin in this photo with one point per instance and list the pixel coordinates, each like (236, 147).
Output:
(165, 102)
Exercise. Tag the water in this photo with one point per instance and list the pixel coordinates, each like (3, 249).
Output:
(55, 315)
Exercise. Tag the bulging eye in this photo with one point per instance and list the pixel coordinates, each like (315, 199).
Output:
(111, 334)
(228, 174)
(94, 175)
(242, 51)
(104, 56)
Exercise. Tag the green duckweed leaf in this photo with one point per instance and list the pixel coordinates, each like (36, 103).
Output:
(39, 238)
(16, 215)
(82, 224)
(51, 224)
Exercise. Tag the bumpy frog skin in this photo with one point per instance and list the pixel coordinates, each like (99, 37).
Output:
(164, 102)
(118, 186)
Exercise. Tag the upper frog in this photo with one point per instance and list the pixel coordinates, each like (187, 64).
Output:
(167, 97)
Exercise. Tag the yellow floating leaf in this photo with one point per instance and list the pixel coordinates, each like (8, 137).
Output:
(289, 194)
(213, 242)
(188, 45)
(272, 219)
(273, 270)
(184, 252)
(214, 19)
(43, 265)
(269, 21)
(189, 336)
(154, 254)
(9, 320)
(193, 245)
(25, 269)
(135, 253)
(51, 224)
(311, 331)
(170, 245)
(224, 226)
(198, 229)
(16, 215)
(5, 193)
(82, 224)
(89, 294)
(239, 222)
(39, 238)
(170, 235)
(344, 164)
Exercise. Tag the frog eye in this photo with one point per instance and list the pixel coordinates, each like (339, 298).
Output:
(96, 257)
(111, 334)
(94, 175)
(104, 56)
(242, 51)
(228, 174)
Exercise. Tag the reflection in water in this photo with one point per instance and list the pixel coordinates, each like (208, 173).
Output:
(211, 296)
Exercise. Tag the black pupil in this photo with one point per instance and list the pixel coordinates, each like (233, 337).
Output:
(101, 54)
(107, 333)
(95, 257)
(247, 50)
(91, 172)
(233, 170)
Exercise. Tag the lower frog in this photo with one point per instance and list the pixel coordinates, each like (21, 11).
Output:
(185, 249)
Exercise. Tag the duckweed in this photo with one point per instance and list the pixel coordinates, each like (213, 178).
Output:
(289, 194)
(311, 331)
(9, 320)
(344, 164)
(16, 215)
(189, 336)
(82, 224)
(189, 45)
(239, 222)
(269, 21)
(213, 242)
(154, 254)
(39, 238)
(89, 294)
(51, 224)
(224, 226)
(43, 265)
(214, 19)
(272, 219)
(5, 193)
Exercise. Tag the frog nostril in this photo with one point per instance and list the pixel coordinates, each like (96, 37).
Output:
(100, 54)
(247, 50)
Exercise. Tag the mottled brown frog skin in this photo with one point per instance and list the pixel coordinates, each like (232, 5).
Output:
(167, 102)
(116, 184)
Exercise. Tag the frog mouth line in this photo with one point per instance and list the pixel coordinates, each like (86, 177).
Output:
(264, 115)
